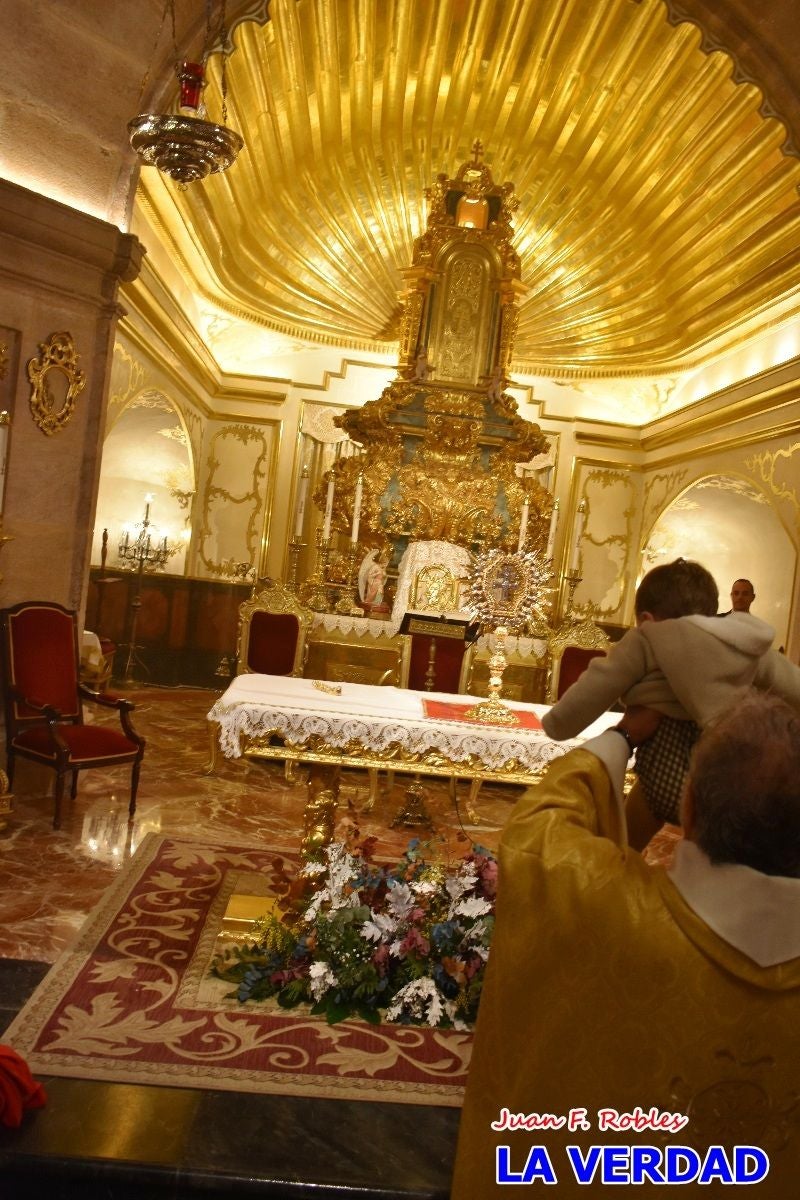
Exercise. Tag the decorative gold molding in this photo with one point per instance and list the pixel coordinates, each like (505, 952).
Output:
(763, 465)
(672, 483)
(57, 354)
(213, 493)
(718, 448)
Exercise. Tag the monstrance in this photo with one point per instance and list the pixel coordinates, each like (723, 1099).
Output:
(504, 591)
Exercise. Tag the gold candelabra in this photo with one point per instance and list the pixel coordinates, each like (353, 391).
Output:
(347, 603)
(295, 546)
(572, 579)
(317, 599)
(143, 551)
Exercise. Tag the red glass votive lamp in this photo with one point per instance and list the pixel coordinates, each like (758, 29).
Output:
(191, 81)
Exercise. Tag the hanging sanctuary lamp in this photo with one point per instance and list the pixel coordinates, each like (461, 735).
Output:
(184, 145)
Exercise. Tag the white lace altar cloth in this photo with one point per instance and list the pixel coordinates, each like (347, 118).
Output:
(377, 718)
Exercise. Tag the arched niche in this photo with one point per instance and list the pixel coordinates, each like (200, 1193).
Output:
(727, 523)
(147, 452)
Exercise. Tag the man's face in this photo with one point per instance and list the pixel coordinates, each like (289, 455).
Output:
(742, 596)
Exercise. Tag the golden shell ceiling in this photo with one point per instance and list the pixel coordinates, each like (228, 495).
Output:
(657, 212)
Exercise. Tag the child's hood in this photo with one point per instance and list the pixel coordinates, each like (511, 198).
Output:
(742, 632)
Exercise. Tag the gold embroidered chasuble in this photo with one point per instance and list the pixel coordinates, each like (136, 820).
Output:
(604, 990)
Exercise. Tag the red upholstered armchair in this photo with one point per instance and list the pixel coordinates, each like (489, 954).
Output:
(571, 650)
(44, 701)
(273, 627)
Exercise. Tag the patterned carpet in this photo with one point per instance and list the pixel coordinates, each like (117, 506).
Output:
(132, 1001)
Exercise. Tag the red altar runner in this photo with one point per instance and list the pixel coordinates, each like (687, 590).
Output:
(443, 710)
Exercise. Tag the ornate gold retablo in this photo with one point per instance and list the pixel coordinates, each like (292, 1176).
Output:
(441, 446)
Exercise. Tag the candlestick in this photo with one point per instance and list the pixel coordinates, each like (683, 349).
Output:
(347, 603)
(326, 526)
(523, 526)
(357, 509)
(580, 518)
(317, 598)
(4, 423)
(301, 505)
(551, 537)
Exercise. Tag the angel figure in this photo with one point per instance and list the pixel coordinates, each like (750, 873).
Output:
(372, 578)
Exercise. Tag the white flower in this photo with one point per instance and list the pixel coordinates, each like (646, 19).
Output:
(471, 906)
(313, 868)
(342, 870)
(424, 887)
(400, 900)
(464, 881)
(378, 927)
(420, 998)
(321, 978)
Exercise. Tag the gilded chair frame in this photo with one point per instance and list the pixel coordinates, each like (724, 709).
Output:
(271, 596)
(582, 635)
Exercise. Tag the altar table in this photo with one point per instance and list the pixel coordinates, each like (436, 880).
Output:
(370, 727)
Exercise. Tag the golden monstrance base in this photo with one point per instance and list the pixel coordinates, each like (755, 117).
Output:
(492, 712)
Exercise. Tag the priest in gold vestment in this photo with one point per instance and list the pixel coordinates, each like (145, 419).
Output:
(660, 994)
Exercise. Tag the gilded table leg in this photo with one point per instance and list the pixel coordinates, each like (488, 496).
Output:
(320, 814)
(213, 747)
(374, 789)
(472, 812)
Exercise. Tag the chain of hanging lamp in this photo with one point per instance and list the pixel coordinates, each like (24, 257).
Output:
(183, 145)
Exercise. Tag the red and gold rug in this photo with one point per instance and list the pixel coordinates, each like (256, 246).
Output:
(132, 1001)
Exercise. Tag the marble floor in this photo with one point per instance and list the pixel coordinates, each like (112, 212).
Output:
(50, 880)
(123, 1142)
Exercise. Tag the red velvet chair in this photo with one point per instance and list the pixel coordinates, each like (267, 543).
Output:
(571, 650)
(273, 627)
(44, 701)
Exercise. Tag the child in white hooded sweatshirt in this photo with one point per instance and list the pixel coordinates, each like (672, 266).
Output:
(684, 661)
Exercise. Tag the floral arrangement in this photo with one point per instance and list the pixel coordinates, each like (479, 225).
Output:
(356, 938)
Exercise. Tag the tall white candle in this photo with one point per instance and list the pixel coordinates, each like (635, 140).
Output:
(4, 420)
(551, 537)
(301, 505)
(326, 527)
(356, 509)
(580, 519)
(523, 526)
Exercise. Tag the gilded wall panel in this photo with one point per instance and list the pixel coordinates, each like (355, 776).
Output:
(779, 471)
(608, 542)
(234, 498)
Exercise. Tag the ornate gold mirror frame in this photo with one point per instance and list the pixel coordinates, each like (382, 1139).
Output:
(59, 355)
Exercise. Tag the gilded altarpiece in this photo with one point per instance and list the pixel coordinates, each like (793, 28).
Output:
(441, 447)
